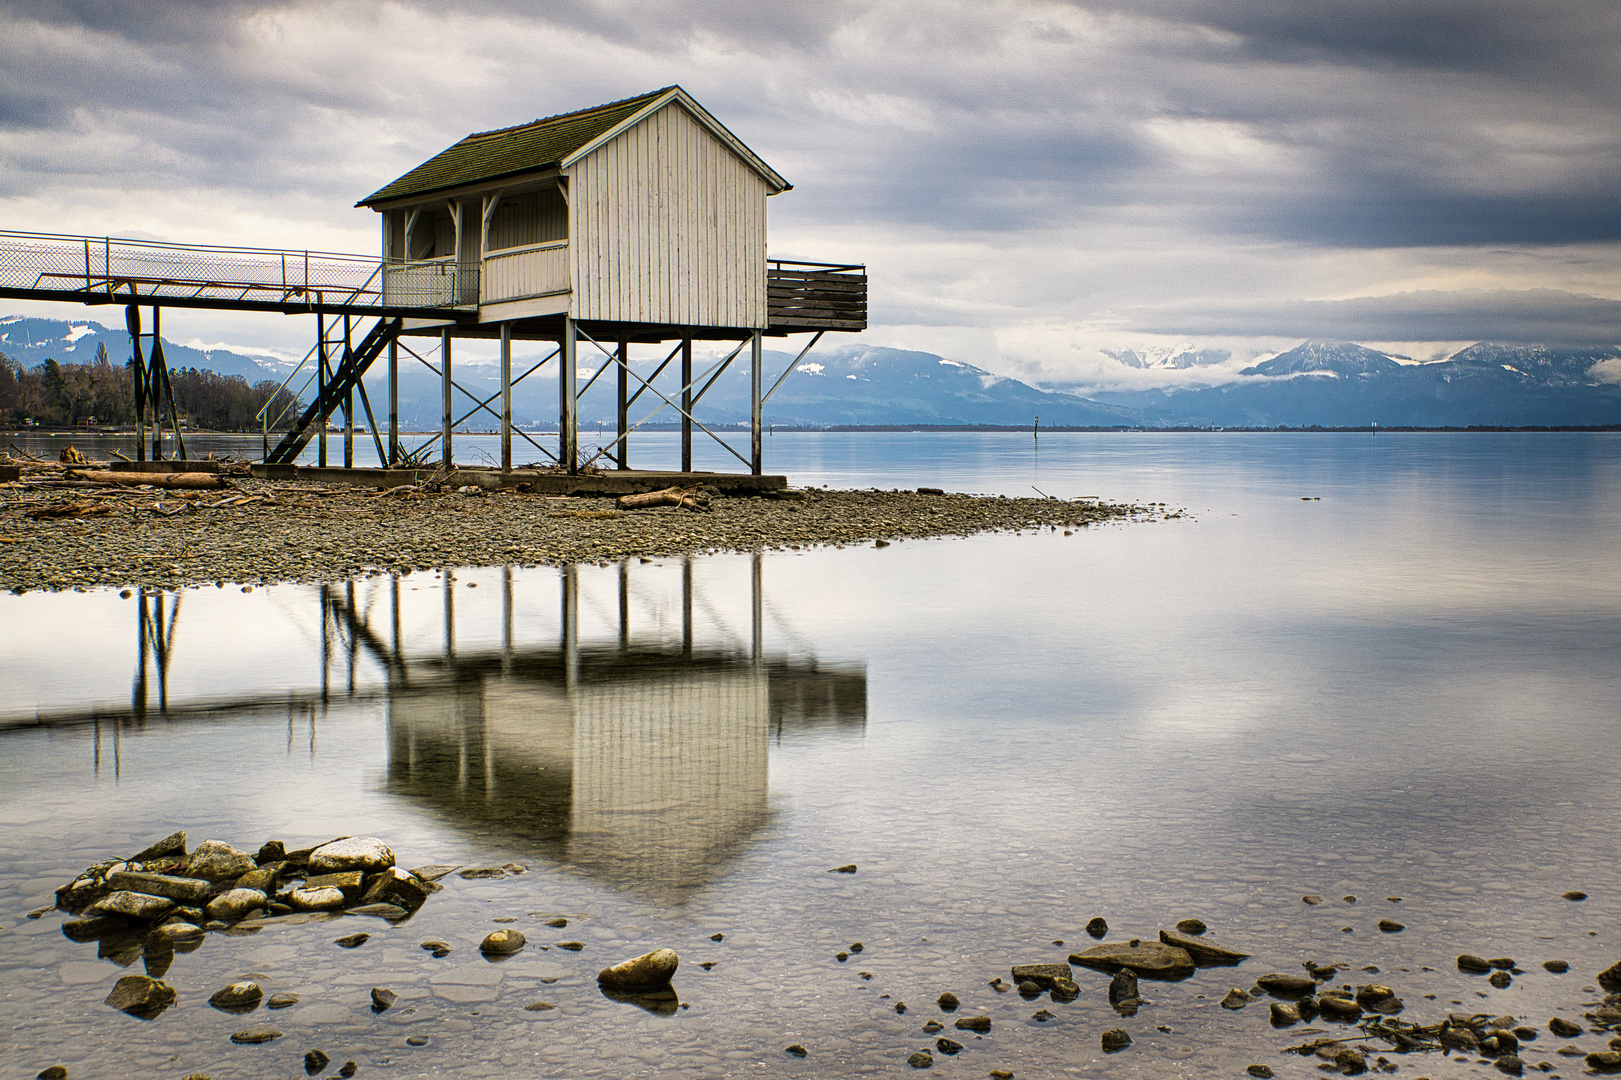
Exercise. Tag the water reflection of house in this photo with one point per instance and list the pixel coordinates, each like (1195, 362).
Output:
(645, 769)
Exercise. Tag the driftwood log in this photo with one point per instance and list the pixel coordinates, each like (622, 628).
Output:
(176, 480)
(68, 510)
(689, 498)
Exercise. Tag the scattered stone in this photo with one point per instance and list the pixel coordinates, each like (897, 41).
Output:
(174, 935)
(1042, 974)
(1565, 1029)
(795, 1050)
(432, 874)
(382, 999)
(1154, 959)
(170, 847)
(1506, 963)
(1312, 898)
(1470, 964)
(900, 1007)
(848, 868)
(182, 890)
(479, 873)
(349, 1069)
(265, 878)
(1065, 990)
(933, 1026)
(397, 886)
(1558, 967)
(1343, 1009)
(1115, 1040)
(515, 868)
(271, 851)
(1511, 1064)
(1458, 1037)
(1371, 994)
(920, 1060)
(1097, 927)
(132, 905)
(1501, 980)
(712, 937)
(235, 904)
(1390, 926)
(253, 1036)
(539, 1006)
(1605, 1061)
(1610, 977)
(365, 853)
(1262, 1071)
(282, 1001)
(841, 957)
(570, 946)
(353, 941)
(1202, 951)
(1574, 894)
(53, 1072)
(315, 1061)
(380, 911)
(1284, 1014)
(1041, 1016)
(503, 943)
(215, 860)
(327, 899)
(1001, 1074)
(1235, 999)
(1351, 1061)
(1282, 985)
(947, 1001)
(648, 971)
(857, 947)
(980, 1025)
(949, 1047)
(1028, 989)
(1191, 926)
(140, 995)
(237, 997)
(559, 923)
(416, 1040)
(349, 882)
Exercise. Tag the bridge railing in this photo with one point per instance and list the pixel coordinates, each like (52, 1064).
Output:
(131, 271)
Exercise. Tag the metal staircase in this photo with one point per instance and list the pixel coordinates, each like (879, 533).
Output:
(335, 391)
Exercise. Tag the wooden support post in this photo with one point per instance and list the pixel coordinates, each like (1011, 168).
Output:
(506, 390)
(393, 398)
(757, 354)
(320, 387)
(568, 449)
(444, 373)
(348, 402)
(137, 370)
(622, 362)
(155, 384)
(686, 404)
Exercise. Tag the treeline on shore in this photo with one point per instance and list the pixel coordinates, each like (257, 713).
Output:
(102, 392)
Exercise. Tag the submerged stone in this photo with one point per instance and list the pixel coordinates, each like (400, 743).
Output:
(140, 995)
(642, 972)
(1151, 958)
(1202, 951)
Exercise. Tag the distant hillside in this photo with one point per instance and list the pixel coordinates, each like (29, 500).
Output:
(1347, 385)
(33, 341)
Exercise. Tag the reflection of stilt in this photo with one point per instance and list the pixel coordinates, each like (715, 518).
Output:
(326, 641)
(155, 633)
(686, 607)
(449, 581)
(98, 747)
(624, 605)
(349, 596)
(571, 626)
(506, 607)
(757, 652)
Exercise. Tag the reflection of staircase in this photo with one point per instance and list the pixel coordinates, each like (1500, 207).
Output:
(343, 382)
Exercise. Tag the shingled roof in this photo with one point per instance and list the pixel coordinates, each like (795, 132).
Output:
(539, 144)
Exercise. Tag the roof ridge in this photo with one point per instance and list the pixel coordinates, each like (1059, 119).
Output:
(577, 114)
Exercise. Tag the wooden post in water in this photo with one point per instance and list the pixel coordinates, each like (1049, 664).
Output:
(567, 404)
(506, 397)
(393, 398)
(444, 372)
(686, 416)
(757, 358)
(320, 385)
(622, 361)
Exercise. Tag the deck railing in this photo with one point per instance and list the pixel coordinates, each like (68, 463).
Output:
(115, 270)
(816, 296)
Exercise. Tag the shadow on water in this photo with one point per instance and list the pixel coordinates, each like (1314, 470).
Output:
(640, 759)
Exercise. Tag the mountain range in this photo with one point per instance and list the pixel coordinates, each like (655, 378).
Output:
(1329, 384)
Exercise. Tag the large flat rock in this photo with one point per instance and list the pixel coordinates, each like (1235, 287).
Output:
(1152, 959)
(1204, 953)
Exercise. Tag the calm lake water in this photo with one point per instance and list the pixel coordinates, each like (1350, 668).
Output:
(1371, 667)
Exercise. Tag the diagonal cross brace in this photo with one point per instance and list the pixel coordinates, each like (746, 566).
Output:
(349, 372)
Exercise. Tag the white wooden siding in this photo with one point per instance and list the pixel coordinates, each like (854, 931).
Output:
(528, 272)
(667, 225)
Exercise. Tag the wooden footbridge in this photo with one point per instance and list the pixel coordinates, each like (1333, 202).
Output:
(639, 222)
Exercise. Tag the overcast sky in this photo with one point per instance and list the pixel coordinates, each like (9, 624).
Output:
(1031, 183)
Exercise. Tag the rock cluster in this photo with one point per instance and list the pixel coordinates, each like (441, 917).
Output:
(164, 899)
